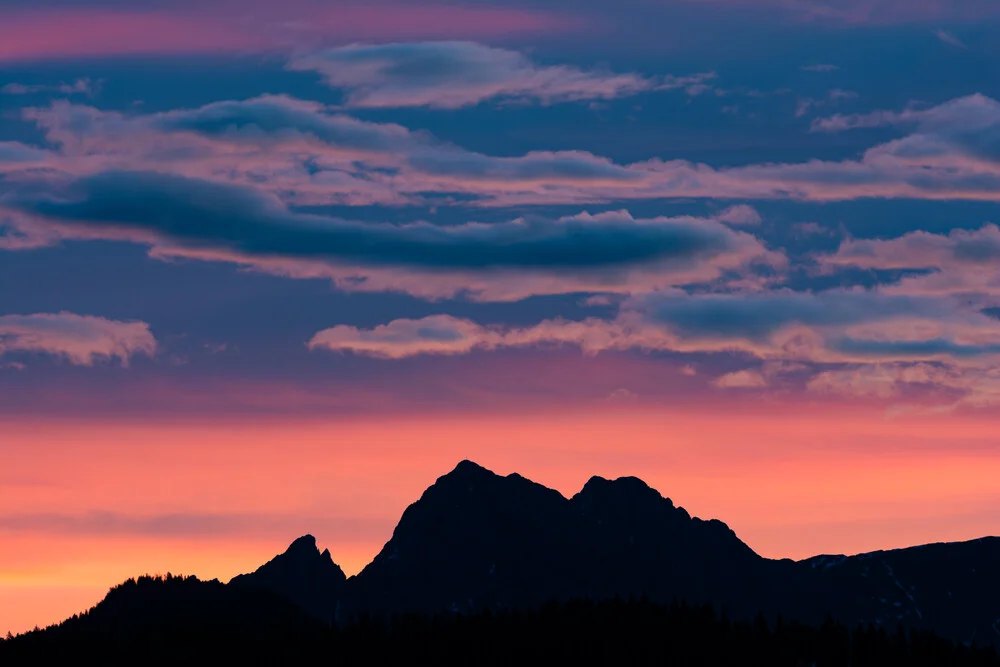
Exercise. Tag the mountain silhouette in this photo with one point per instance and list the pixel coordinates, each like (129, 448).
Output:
(477, 542)
(304, 575)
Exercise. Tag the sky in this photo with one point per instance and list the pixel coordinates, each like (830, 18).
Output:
(269, 269)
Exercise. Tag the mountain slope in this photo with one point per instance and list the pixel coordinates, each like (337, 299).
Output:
(475, 539)
(304, 575)
(953, 589)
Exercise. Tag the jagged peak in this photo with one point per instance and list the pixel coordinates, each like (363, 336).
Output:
(467, 468)
(304, 544)
(628, 487)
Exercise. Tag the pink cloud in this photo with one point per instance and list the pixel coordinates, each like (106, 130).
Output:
(747, 379)
(218, 28)
(261, 142)
(852, 343)
(82, 340)
(787, 328)
(962, 263)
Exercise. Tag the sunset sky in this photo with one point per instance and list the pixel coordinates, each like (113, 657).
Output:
(270, 268)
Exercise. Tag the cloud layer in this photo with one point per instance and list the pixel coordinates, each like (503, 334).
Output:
(839, 326)
(309, 154)
(847, 342)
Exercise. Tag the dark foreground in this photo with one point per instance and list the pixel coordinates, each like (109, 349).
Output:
(186, 621)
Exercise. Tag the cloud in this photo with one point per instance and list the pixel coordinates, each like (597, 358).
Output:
(438, 334)
(308, 155)
(449, 75)
(962, 262)
(622, 397)
(447, 335)
(757, 317)
(955, 386)
(975, 113)
(740, 216)
(834, 96)
(313, 156)
(610, 251)
(949, 38)
(837, 326)
(81, 340)
(747, 379)
(82, 86)
(260, 120)
(15, 155)
(847, 342)
(882, 380)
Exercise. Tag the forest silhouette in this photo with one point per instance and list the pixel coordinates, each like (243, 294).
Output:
(168, 620)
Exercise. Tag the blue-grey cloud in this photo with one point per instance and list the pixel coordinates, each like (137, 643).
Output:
(909, 349)
(14, 154)
(276, 116)
(835, 326)
(82, 86)
(209, 214)
(757, 316)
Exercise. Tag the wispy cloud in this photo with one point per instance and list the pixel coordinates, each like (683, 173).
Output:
(835, 96)
(747, 379)
(950, 39)
(82, 86)
(450, 75)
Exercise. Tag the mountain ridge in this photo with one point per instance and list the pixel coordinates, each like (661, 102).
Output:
(476, 541)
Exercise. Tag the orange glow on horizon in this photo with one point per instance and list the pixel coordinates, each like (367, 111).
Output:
(85, 505)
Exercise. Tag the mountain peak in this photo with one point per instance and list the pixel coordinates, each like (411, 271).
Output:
(467, 468)
(304, 544)
(302, 573)
(623, 489)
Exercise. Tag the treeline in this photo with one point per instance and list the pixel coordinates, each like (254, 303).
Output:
(160, 621)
